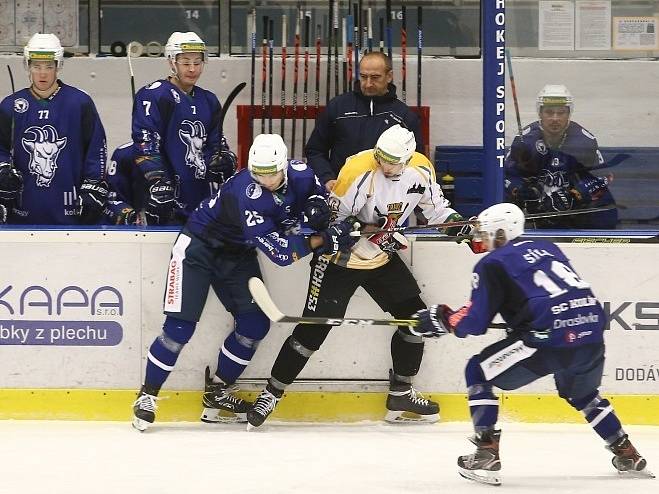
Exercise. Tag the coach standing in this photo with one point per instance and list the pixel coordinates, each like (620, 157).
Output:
(353, 121)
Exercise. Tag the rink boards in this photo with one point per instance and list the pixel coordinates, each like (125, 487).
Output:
(79, 309)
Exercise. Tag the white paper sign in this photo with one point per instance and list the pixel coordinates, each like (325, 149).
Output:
(635, 33)
(593, 25)
(556, 25)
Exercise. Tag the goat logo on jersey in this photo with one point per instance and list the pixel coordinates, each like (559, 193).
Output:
(194, 138)
(43, 150)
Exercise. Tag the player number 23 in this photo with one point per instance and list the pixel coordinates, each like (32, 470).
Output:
(560, 274)
(253, 218)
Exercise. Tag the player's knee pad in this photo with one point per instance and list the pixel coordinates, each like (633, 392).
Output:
(311, 336)
(176, 333)
(251, 328)
(588, 403)
(299, 347)
(403, 333)
(474, 373)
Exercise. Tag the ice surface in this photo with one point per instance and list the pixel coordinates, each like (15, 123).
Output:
(365, 458)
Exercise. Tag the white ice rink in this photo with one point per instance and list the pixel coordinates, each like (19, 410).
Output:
(365, 458)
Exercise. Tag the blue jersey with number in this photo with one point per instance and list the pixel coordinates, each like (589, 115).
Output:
(177, 133)
(243, 214)
(126, 184)
(537, 292)
(57, 143)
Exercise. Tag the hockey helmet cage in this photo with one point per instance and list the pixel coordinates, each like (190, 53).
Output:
(43, 47)
(395, 146)
(268, 154)
(554, 95)
(188, 42)
(503, 221)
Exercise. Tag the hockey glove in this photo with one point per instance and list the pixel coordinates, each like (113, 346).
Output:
(590, 189)
(92, 196)
(527, 192)
(337, 238)
(128, 216)
(3, 214)
(222, 166)
(433, 322)
(559, 200)
(392, 242)
(159, 208)
(318, 212)
(11, 183)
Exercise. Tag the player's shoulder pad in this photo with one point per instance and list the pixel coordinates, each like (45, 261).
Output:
(354, 168)
(152, 90)
(74, 90)
(421, 164)
(298, 168)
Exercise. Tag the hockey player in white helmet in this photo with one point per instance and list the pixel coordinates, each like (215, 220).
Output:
(53, 171)
(179, 147)
(259, 208)
(549, 167)
(380, 187)
(525, 280)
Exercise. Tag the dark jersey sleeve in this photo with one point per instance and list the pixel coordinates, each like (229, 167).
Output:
(93, 142)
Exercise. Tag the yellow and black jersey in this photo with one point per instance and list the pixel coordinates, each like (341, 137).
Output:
(363, 191)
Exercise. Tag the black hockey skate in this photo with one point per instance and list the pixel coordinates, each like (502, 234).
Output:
(220, 404)
(406, 404)
(263, 407)
(483, 465)
(144, 409)
(627, 460)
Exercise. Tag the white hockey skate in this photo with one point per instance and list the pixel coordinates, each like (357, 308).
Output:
(144, 410)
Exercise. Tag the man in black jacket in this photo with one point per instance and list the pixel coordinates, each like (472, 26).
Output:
(352, 122)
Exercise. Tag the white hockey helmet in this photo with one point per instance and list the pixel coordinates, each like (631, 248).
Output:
(43, 47)
(395, 146)
(267, 155)
(188, 42)
(554, 95)
(503, 221)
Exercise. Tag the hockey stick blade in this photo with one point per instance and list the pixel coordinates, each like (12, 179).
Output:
(227, 103)
(407, 229)
(264, 301)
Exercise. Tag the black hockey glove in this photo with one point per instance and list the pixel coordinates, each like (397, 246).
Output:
(392, 242)
(433, 322)
(559, 200)
(3, 214)
(337, 238)
(92, 196)
(222, 166)
(11, 183)
(527, 192)
(318, 212)
(159, 208)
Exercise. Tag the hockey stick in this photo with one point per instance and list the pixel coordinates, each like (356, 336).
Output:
(369, 30)
(344, 53)
(318, 42)
(282, 102)
(403, 54)
(271, 58)
(253, 71)
(227, 103)
(336, 47)
(449, 224)
(267, 305)
(264, 71)
(305, 85)
(514, 90)
(130, 69)
(264, 301)
(328, 74)
(388, 30)
(381, 20)
(296, 71)
(356, 42)
(419, 50)
(349, 43)
(615, 161)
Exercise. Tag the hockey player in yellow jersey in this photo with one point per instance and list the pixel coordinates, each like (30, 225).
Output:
(378, 188)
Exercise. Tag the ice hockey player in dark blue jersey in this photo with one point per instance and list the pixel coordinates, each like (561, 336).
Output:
(548, 167)
(125, 186)
(555, 326)
(179, 148)
(52, 146)
(261, 208)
